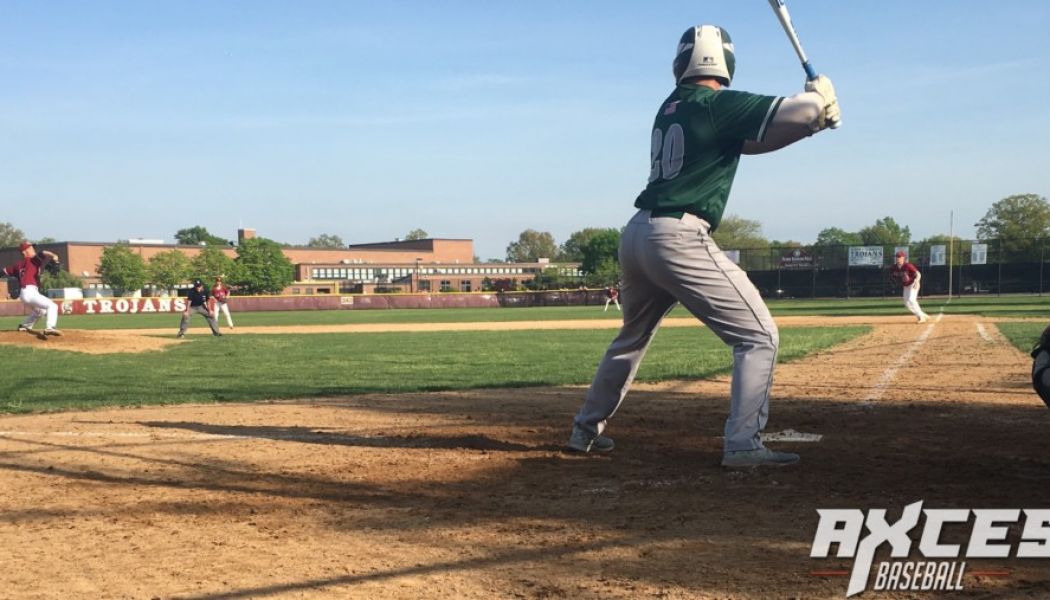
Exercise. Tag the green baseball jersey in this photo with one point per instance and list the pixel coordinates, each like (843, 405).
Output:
(696, 144)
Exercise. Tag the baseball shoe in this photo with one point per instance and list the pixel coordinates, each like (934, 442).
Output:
(925, 317)
(180, 336)
(24, 328)
(758, 458)
(217, 334)
(52, 331)
(582, 441)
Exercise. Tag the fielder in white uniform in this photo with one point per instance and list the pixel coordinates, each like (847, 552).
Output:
(667, 255)
(908, 276)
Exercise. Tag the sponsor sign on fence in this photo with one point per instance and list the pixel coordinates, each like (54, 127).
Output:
(796, 259)
(938, 255)
(979, 254)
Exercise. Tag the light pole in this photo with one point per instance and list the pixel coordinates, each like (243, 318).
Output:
(418, 284)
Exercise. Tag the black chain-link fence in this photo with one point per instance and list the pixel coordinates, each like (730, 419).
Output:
(977, 267)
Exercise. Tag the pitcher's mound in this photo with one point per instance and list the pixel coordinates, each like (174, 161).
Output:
(90, 342)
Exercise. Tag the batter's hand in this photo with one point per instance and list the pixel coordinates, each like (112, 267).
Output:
(831, 113)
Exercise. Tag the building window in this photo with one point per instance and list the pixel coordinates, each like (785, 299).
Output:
(464, 285)
(446, 285)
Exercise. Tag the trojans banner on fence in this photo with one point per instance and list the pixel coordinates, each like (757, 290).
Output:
(122, 306)
(865, 256)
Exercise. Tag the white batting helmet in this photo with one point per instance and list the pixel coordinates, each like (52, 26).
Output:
(705, 51)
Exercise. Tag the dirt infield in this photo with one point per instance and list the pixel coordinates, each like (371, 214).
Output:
(467, 494)
(88, 342)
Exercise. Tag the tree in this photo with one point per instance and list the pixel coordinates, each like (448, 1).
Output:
(64, 279)
(550, 278)
(326, 241)
(833, 236)
(599, 248)
(1017, 221)
(959, 249)
(261, 267)
(736, 233)
(885, 232)
(193, 236)
(10, 236)
(46, 240)
(169, 269)
(122, 269)
(531, 246)
(212, 262)
(572, 249)
(605, 274)
(417, 234)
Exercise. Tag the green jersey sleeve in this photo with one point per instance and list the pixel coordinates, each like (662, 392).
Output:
(741, 116)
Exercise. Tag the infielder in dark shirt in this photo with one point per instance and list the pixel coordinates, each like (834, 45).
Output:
(197, 302)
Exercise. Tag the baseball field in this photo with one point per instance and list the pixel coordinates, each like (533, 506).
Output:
(418, 453)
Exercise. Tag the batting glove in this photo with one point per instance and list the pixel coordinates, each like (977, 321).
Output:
(831, 113)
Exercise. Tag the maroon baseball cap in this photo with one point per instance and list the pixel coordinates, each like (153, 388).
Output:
(901, 253)
(22, 247)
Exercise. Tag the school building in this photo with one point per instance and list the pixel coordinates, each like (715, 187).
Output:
(408, 266)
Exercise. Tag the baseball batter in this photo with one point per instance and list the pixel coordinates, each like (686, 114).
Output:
(28, 272)
(667, 255)
(220, 293)
(908, 276)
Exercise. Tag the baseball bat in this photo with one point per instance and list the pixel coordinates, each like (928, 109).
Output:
(781, 11)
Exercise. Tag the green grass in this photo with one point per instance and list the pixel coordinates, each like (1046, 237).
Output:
(338, 317)
(990, 306)
(257, 367)
(1022, 335)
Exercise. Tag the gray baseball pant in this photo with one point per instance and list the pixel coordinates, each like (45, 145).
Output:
(201, 310)
(665, 260)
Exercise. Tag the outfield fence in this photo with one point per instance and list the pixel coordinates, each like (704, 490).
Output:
(825, 271)
(976, 267)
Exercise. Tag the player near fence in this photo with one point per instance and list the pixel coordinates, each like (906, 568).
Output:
(27, 271)
(197, 301)
(612, 296)
(907, 276)
(667, 255)
(220, 294)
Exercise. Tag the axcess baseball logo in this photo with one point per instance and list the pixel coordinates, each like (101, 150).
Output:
(987, 539)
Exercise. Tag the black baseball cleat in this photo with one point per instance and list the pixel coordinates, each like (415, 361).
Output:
(759, 457)
(24, 328)
(583, 441)
(180, 336)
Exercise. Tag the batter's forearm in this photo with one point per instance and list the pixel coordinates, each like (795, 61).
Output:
(795, 119)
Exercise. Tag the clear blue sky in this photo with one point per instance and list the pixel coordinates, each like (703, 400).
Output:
(368, 119)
